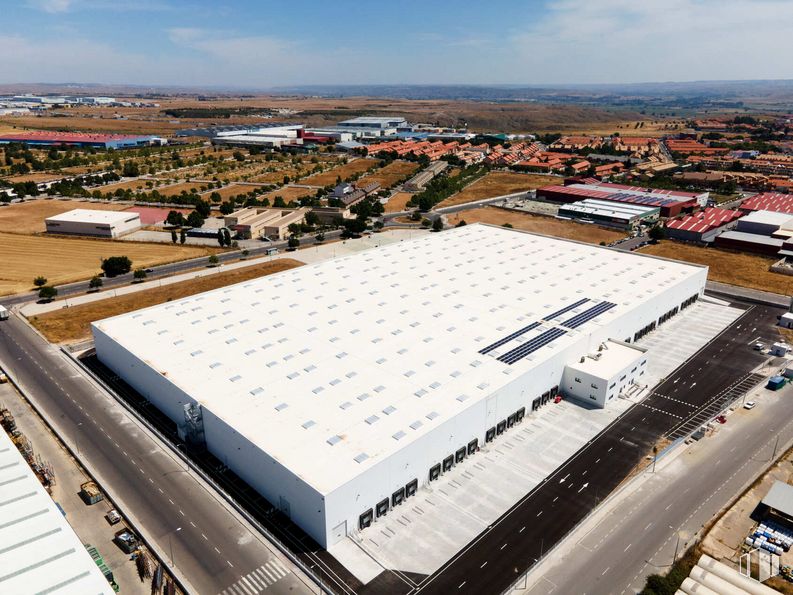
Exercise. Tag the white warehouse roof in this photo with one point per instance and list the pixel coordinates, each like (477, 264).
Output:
(333, 366)
(93, 216)
(40, 553)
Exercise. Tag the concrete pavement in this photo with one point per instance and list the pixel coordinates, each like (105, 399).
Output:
(636, 533)
(183, 519)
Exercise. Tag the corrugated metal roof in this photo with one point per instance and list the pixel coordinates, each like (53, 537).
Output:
(780, 497)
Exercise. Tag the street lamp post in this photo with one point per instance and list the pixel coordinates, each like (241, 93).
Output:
(170, 543)
(677, 545)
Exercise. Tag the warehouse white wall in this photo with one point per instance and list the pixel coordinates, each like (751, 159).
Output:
(92, 228)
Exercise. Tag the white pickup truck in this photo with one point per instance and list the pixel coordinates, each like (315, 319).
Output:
(3, 313)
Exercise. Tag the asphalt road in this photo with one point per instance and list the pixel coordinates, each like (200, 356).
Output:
(185, 520)
(518, 539)
(640, 535)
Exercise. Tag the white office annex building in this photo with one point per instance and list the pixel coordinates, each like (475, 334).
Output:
(340, 388)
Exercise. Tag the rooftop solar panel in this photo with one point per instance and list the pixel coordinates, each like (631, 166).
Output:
(588, 315)
(531, 346)
(566, 309)
(509, 338)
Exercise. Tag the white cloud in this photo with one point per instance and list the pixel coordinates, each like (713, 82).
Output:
(51, 6)
(656, 40)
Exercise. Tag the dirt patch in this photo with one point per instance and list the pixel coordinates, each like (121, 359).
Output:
(28, 217)
(37, 177)
(290, 193)
(735, 268)
(228, 191)
(398, 202)
(538, 224)
(343, 171)
(391, 174)
(74, 324)
(128, 185)
(498, 184)
(63, 260)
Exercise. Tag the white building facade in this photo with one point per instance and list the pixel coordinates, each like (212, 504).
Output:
(90, 222)
(339, 389)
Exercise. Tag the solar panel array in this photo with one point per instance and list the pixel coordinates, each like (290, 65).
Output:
(541, 340)
(509, 338)
(572, 306)
(588, 315)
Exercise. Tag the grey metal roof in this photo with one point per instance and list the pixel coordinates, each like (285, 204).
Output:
(780, 497)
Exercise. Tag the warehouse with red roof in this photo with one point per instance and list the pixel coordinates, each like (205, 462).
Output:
(703, 226)
(769, 201)
(49, 138)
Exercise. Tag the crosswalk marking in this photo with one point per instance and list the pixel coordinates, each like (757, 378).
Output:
(259, 579)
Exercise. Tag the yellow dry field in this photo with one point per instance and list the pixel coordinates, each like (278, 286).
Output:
(735, 268)
(343, 171)
(176, 189)
(497, 184)
(397, 202)
(128, 185)
(28, 217)
(228, 191)
(35, 177)
(290, 193)
(74, 323)
(63, 260)
(538, 224)
(391, 174)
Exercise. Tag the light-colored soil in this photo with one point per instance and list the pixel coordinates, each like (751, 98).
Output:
(497, 184)
(176, 189)
(391, 174)
(397, 202)
(228, 191)
(28, 217)
(735, 268)
(73, 324)
(128, 185)
(63, 260)
(34, 177)
(538, 224)
(343, 171)
(290, 193)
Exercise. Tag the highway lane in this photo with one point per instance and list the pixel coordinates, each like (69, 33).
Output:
(638, 536)
(211, 546)
(544, 517)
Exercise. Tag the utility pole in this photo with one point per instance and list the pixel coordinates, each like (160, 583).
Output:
(776, 444)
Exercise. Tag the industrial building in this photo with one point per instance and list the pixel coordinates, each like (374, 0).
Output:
(91, 222)
(769, 201)
(255, 223)
(765, 223)
(608, 213)
(703, 226)
(45, 138)
(338, 389)
(40, 552)
(417, 182)
(670, 202)
(271, 137)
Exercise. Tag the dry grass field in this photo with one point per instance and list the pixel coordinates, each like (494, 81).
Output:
(228, 191)
(176, 189)
(538, 224)
(63, 260)
(496, 184)
(343, 171)
(28, 217)
(735, 268)
(35, 177)
(391, 174)
(397, 202)
(74, 323)
(290, 193)
(128, 185)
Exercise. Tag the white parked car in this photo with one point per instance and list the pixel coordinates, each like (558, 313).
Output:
(749, 405)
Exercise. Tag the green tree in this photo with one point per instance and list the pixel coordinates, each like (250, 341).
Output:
(312, 218)
(215, 197)
(139, 274)
(320, 237)
(194, 219)
(131, 170)
(226, 237)
(657, 233)
(116, 265)
(293, 242)
(182, 236)
(47, 293)
(278, 203)
(437, 225)
(40, 281)
(173, 236)
(213, 260)
(462, 223)
(95, 283)
(221, 238)
(175, 218)
(245, 253)
(227, 208)
(203, 208)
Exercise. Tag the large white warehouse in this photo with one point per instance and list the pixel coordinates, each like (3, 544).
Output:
(340, 388)
(93, 222)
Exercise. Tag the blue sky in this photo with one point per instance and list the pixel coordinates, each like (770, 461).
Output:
(261, 44)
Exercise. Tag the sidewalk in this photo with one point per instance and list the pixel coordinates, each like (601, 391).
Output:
(309, 255)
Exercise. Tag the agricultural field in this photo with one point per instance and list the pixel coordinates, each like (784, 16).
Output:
(391, 174)
(538, 224)
(37, 177)
(226, 192)
(28, 217)
(74, 324)
(496, 184)
(177, 189)
(735, 268)
(134, 185)
(63, 260)
(344, 171)
(290, 193)
(398, 202)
